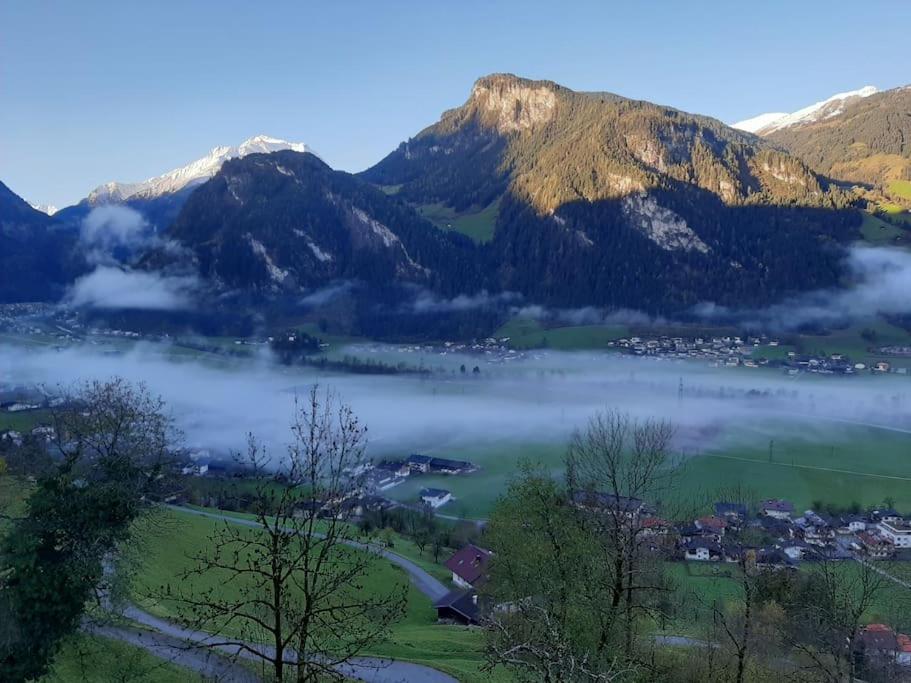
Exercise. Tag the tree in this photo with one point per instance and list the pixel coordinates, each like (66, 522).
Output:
(825, 610)
(612, 469)
(114, 442)
(298, 579)
(548, 587)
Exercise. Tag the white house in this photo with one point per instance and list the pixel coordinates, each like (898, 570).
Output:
(898, 532)
(435, 497)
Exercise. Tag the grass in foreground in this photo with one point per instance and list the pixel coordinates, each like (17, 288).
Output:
(416, 638)
(94, 659)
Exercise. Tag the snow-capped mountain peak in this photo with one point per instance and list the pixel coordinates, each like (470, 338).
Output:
(833, 106)
(194, 173)
(49, 209)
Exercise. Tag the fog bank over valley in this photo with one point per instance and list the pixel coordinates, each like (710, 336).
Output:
(539, 398)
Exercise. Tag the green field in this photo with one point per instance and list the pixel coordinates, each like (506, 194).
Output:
(478, 225)
(23, 421)
(94, 659)
(813, 460)
(527, 333)
(877, 231)
(852, 343)
(416, 637)
(699, 584)
(900, 188)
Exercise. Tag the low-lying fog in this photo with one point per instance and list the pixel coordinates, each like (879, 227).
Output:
(539, 398)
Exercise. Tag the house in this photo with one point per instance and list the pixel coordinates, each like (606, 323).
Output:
(897, 532)
(654, 526)
(779, 509)
(597, 501)
(878, 641)
(459, 605)
(903, 656)
(380, 479)
(446, 466)
(813, 529)
(712, 524)
(469, 566)
(419, 463)
(773, 558)
(398, 467)
(435, 497)
(885, 515)
(874, 546)
(852, 524)
(700, 550)
(734, 513)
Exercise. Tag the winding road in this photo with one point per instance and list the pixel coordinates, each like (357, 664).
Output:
(189, 649)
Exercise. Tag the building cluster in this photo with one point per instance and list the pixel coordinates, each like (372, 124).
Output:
(778, 537)
(747, 352)
(388, 474)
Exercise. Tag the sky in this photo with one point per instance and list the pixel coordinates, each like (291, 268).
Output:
(96, 91)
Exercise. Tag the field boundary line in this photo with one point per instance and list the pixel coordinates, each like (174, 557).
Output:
(836, 470)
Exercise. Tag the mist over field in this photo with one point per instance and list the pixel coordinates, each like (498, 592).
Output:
(540, 398)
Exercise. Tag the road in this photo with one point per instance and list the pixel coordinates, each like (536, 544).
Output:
(187, 648)
(422, 580)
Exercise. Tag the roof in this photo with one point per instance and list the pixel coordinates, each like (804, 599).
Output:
(470, 563)
(606, 500)
(722, 508)
(461, 601)
(711, 522)
(777, 505)
(434, 493)
(879, 637)
(446, 463)
(418, 459)
(711, 546)
(904, 642)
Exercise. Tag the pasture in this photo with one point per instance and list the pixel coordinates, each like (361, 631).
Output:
(416, 637)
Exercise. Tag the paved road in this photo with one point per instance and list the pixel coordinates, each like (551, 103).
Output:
(207, 663)
(423, 581)
(188, 648)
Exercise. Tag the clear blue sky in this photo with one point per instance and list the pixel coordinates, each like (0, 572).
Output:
(98, 91)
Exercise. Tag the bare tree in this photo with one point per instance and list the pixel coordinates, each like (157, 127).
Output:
(292, 592)
(615, 469)
(826, 614)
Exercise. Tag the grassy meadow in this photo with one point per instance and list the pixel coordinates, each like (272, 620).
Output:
(478, 225)
(416, 637)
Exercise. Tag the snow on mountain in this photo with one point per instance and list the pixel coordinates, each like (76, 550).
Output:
(194, 173)
(759, 122)
(49, 209)
(833, 106)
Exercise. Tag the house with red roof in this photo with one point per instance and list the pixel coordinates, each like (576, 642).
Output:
(469, 566)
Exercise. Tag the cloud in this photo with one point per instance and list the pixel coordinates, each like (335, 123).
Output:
(320, 297)
(111, 232)
(538, 398)
(880, 280)
(115, 287)
(428, 302)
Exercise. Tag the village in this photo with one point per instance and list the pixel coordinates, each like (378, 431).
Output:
(750, 352)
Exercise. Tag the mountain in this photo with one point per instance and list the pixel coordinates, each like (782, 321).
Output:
(159, 199)
(49, 209)
(603, 200)
(866, 140)
(766, 124)
(194, 173)
(36, 262)
(285, 221)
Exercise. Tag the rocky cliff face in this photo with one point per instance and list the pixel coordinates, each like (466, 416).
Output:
(511, 104)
